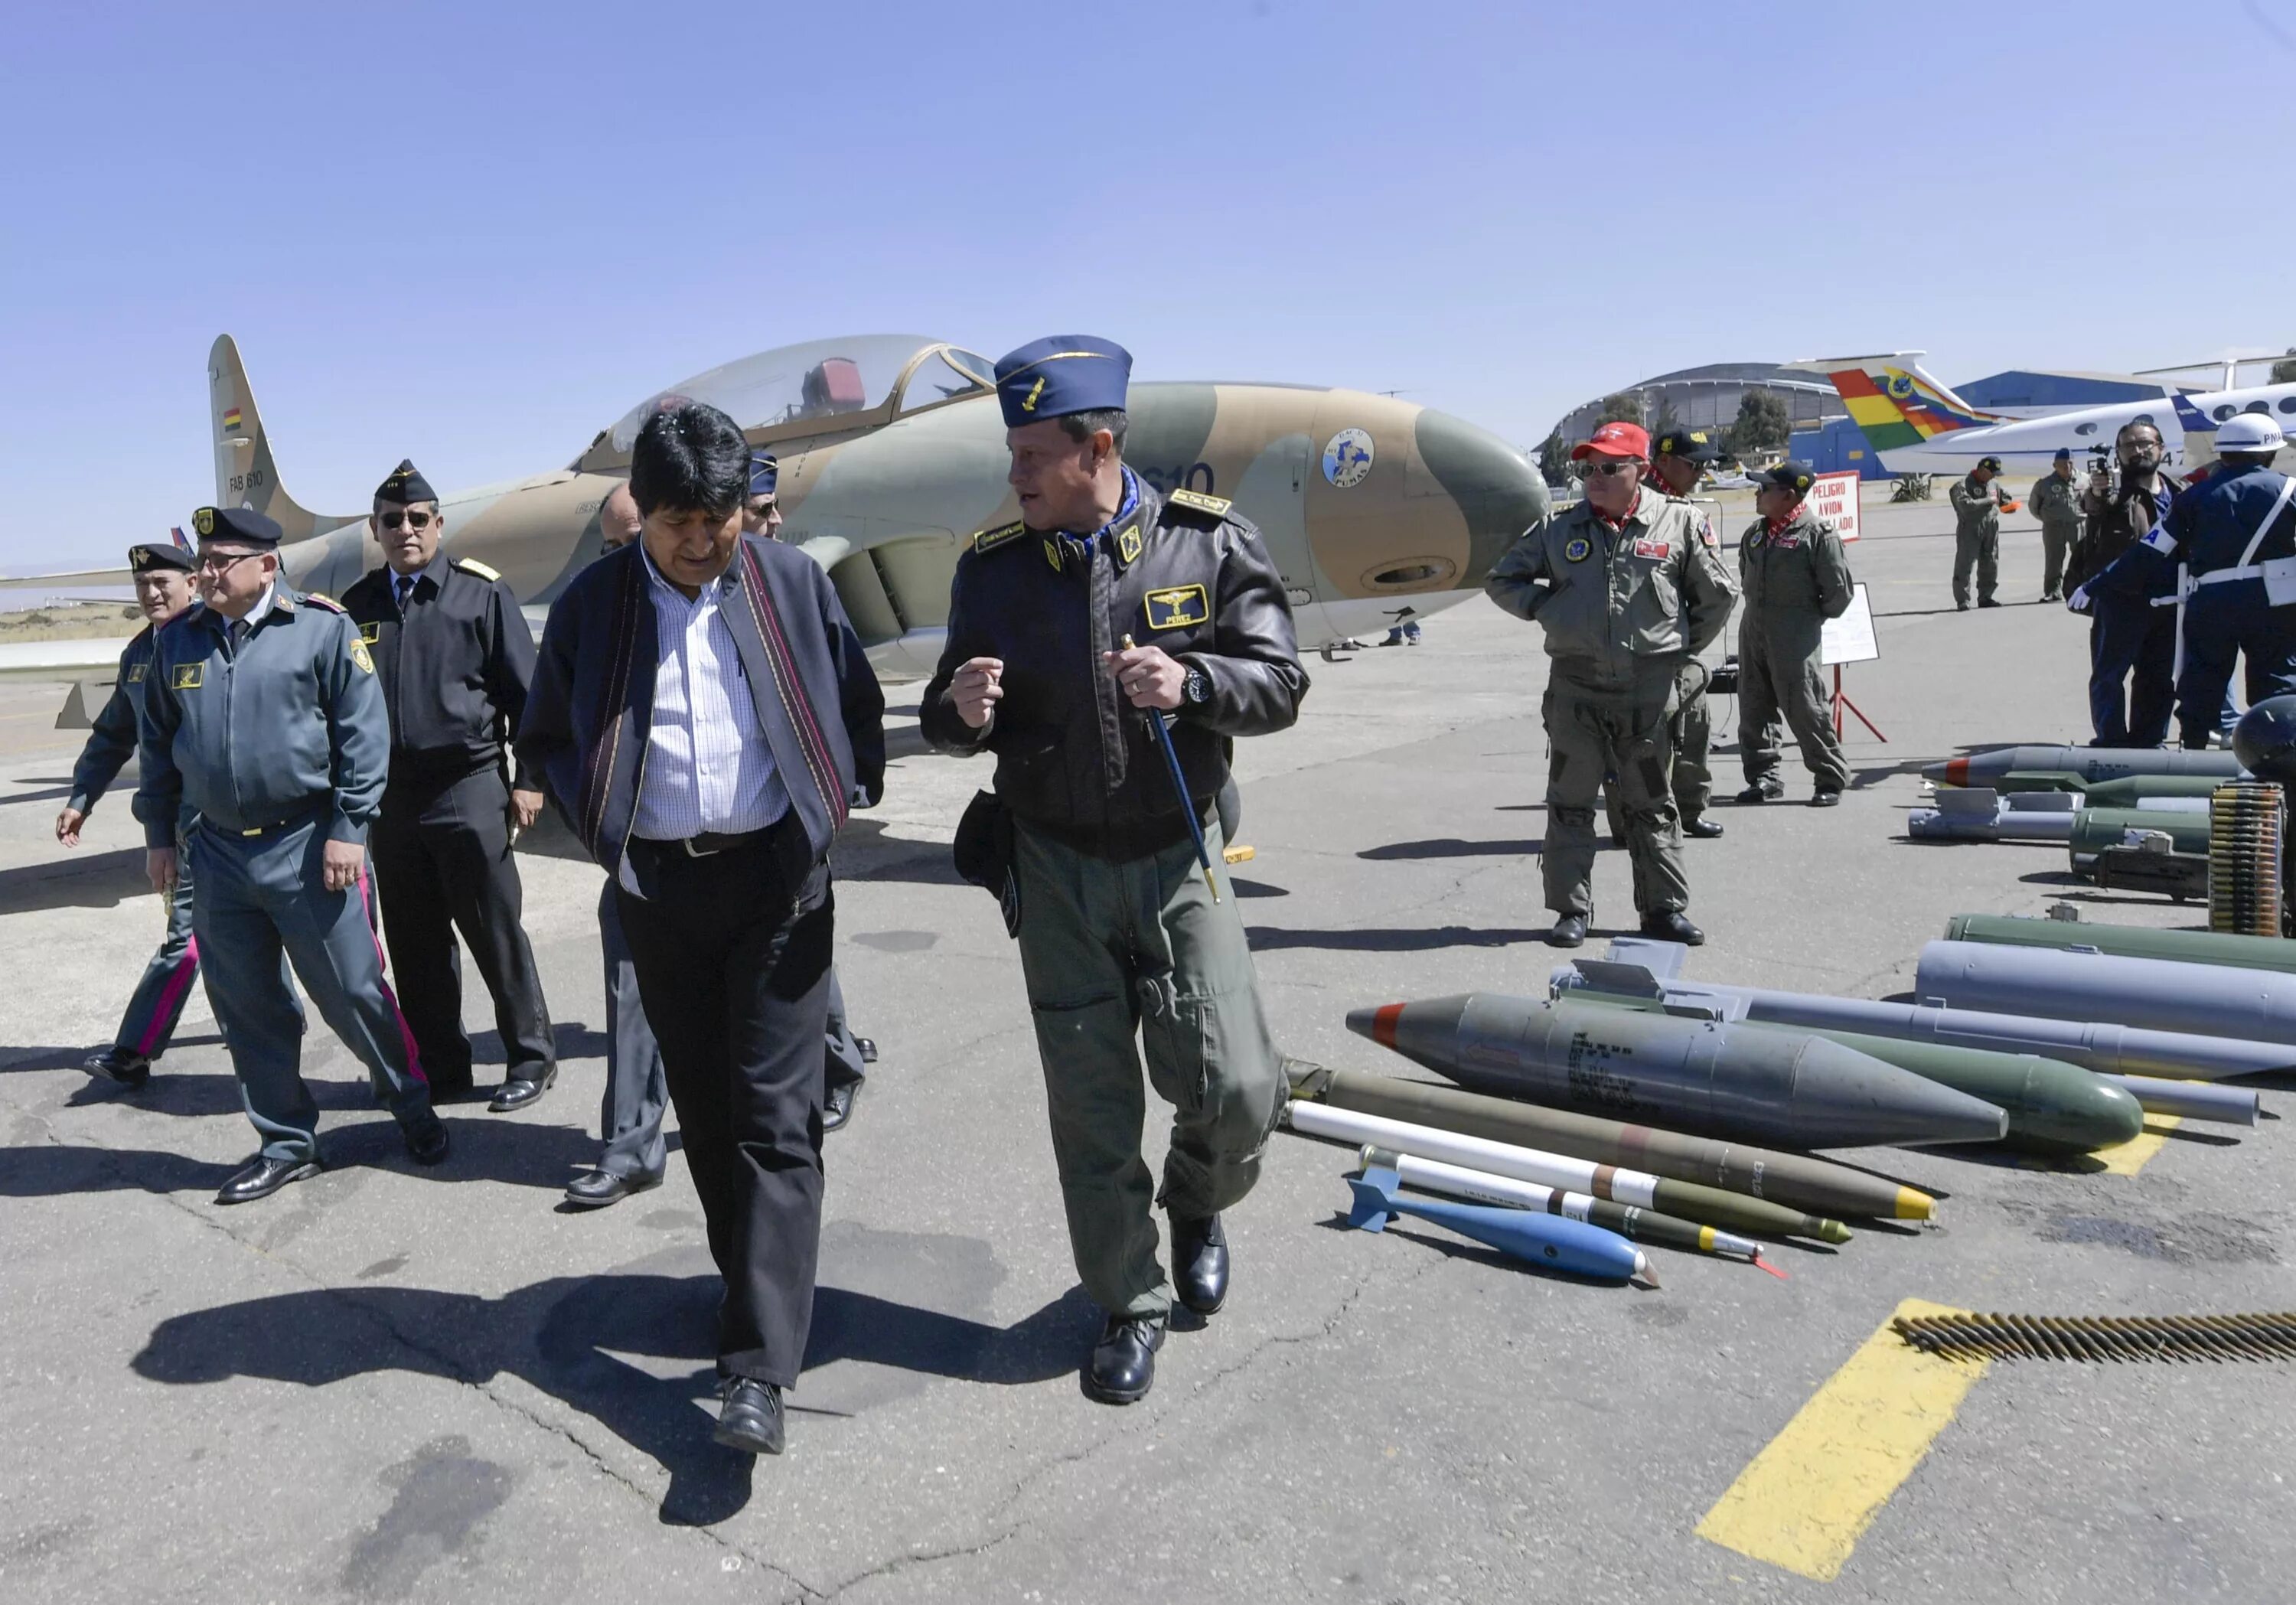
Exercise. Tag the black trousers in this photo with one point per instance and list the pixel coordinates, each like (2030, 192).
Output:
(442, 863)
(732, 965)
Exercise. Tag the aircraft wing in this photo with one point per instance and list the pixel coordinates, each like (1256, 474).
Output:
(81, 658)
(77, 577)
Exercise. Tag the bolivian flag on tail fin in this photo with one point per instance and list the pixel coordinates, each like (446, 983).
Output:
(1894, 403)
(231, 421)
(182, 545)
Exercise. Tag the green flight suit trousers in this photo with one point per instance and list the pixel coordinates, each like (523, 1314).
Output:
(1627, 734)
(1112, 951)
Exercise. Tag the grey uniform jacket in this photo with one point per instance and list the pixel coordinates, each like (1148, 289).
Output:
(1654, 588)
(2056, 500)
(1795, 580)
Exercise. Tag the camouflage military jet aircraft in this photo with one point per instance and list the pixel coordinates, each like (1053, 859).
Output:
(892, 454)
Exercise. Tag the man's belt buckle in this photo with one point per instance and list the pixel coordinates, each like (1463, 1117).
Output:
(694, 852)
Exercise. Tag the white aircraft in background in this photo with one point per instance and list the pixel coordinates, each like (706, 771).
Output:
(1915, 424)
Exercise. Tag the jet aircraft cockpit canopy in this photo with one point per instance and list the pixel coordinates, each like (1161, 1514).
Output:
(823, 380)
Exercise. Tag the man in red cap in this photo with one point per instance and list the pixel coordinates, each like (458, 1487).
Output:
(1627, 584)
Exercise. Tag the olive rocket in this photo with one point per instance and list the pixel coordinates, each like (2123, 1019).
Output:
(1713, 1078)
(1797, 1181)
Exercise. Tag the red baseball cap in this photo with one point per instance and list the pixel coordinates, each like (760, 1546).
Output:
(1614, 440)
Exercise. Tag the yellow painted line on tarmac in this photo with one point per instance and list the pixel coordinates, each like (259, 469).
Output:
(2132, 1156)
(1803, 1502)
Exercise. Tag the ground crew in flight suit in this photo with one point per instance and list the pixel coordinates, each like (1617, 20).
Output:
(1979, 502)
(1678, 458)
(2232, 542)
(164, 588)
(1796, 576)
(1120, 935)
(2057, 502)
(453, 654)
(262, 713)
(1626, 585)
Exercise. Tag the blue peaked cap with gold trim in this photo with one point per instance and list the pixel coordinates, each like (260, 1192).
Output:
(765, 473)
(1060, 374)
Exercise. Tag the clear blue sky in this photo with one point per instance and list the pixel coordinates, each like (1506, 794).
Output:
(476, 233)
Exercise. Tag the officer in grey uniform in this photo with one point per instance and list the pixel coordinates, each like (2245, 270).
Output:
(1627, 585)
(1796, 576)
(1979, 502)
(1090, 839)
(2057, 502)
(846, 1058)
(164, 588)
(262, 713)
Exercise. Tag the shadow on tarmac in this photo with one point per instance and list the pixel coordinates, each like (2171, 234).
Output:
(566, 1337)
(1270, 938)
(76, 880)
(1451, 847)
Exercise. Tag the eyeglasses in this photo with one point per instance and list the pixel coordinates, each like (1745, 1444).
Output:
(1613, 466)
(413, 521)
(216, 562)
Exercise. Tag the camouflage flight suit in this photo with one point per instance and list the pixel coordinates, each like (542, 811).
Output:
(1977, 536)
(1795, 580)
(1623, 609)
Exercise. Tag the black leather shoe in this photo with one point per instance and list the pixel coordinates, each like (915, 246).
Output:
(426, 1140)
(261, 1177)
(1826, 797)
(1760, 793)
(1670, 925)
(751, 1418)
(1123, 1364)
(119, 1064)
(868, 1047)
(1989, 602)
(1199, 1262)
(1702, 827)
(596, 1189)
(837, 1105)
(1568, 931)
(519, 1093)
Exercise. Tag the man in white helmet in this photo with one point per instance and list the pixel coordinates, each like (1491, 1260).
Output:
(2232, 539)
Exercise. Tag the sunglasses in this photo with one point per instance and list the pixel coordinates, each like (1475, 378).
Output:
(413, 521)
(1613, 467)
(216, 562)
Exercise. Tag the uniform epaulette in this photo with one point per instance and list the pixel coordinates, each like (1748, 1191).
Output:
(989, 539)
(1196, 501)
(326, 602)
(472, 565)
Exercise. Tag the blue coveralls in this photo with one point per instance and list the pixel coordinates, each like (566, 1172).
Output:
(158, 1002)
(280, 742)
(2132, 651)
(2210, 537)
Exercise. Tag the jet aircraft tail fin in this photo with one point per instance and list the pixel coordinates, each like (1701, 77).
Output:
(245, 474)
(1893, 402)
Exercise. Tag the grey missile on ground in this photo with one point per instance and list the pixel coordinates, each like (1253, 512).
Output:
(2127, 941)
(2155, 995)
(2108, 1049)
(2088, 764)
(1764, 1175)
(1977, 814)
(2190, 1099)
(2049, 1102)
(1716, 1078)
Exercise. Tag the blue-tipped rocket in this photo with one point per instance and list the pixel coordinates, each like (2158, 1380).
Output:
(1553, 1242)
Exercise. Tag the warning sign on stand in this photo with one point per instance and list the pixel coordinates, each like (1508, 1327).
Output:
(1834, 497)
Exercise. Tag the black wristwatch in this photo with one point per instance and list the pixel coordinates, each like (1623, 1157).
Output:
(1197, 689)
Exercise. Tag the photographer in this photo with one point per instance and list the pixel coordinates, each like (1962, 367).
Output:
(2129, 633)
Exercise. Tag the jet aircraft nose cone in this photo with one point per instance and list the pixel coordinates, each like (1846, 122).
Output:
(1498, 490)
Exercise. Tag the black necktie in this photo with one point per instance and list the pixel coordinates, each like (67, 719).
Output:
(403, 584)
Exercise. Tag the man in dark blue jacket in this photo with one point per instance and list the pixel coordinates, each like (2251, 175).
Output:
(703, 715)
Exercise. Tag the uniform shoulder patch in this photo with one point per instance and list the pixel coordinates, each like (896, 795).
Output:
(318, 599)
(989, 540)
(1196, 501)
(472, 565)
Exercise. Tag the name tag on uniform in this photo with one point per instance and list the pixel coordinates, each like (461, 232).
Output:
(1650, 548)
(371, 634)
(1177, 607)
(135, 676)
(187, 676)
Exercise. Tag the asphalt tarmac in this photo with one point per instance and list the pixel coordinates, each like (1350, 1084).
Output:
(391, 1384)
